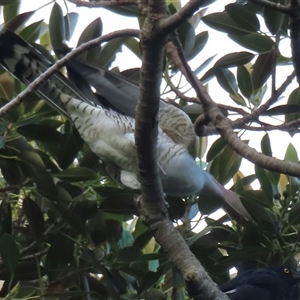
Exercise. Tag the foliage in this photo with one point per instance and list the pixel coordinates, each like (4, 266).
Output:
(68, 228)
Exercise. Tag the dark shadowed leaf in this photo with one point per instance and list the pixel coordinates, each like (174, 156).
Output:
(221, 21)
(186, 33)
(59, 254)
(77, 174)
(243, 16)
(266, 145)
(129, 255)
(294, 98)
(282, 110)
(234, 59)
(92, 31)
(57, 28)
(134, 46)
(294, 214)
(274, 18)
(109, 51)
(119, 204)
(149, 280)
(254, 41)
(19, 20)
(9, 252)
(5, 218)
(262, 69)
(34, 217)
(265, 183)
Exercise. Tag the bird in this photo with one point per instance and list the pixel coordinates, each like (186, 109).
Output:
(107, 123)
(271, 283)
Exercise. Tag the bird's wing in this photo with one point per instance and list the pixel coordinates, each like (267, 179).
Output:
(123, 94)
(249, 292)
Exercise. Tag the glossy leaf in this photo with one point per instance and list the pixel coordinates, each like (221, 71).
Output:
(227, 80)
(57, 27)
(294, 99)
(234, 59)
(265, 183)
(274, 18)
(254, 41)
(262, 69)
(294, 214)
(186, 34)
(92, 31)
(216, 149)
(243, 16)
(200, 42)
(32, 32)
(221, 21)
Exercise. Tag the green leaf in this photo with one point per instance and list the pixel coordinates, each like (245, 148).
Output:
(11, 10)
(200, 41)
(92, 31)
(254, 41)
(266, 145)
(216, 149)
(35, 218)
(9, 252)
(238, 99)
(227, 80)
(221, 21)
(294, 98)
(262, 69)
(244, 81)
(186, 34)
(234, 59)
(32, 32)
(274, 18)
(57, 28)
(265, 183)
(109, 51)
(71, 20)
(77, 174)
(5, 218)
(291, 154)
(243, 16)
(19, 20)
(129, 255)
(133, 45)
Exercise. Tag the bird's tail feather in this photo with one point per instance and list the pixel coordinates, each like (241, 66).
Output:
(26, 63)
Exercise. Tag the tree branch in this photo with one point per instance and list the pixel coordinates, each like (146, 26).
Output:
(224, 127)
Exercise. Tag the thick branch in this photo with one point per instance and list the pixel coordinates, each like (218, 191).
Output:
(62, 62)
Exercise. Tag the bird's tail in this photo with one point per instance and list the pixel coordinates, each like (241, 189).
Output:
(26, 63)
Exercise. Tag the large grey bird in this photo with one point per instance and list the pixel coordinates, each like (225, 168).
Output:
(109, 129)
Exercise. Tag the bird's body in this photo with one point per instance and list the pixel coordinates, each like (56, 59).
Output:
(272, 283)
(109, 129)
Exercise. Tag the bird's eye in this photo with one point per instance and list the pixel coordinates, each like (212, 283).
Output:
(286, 270)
